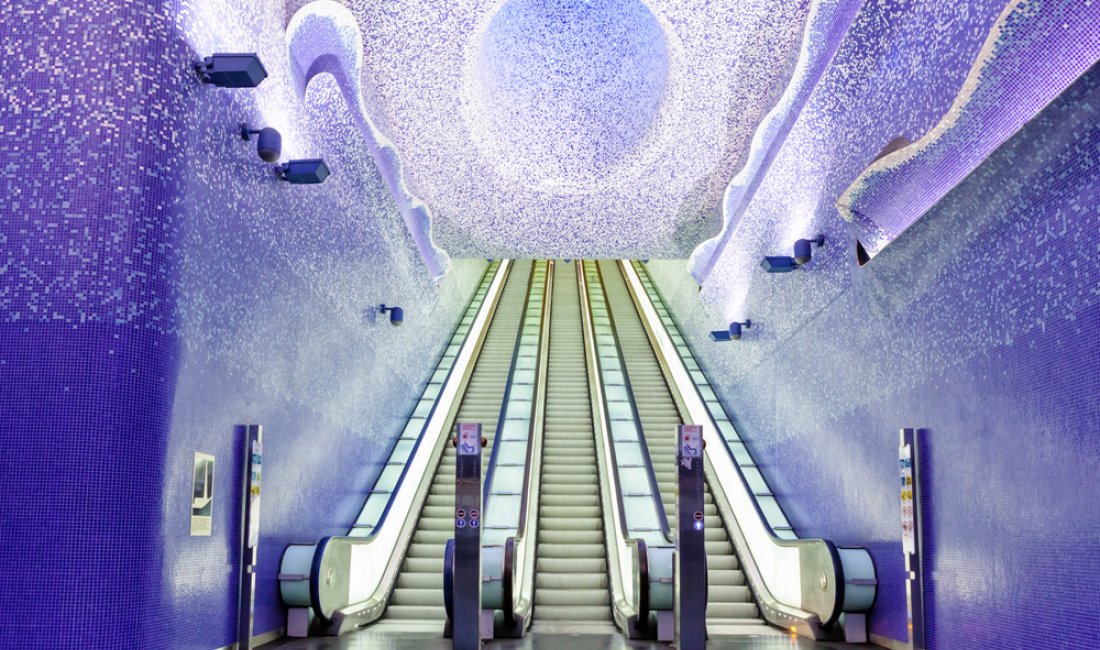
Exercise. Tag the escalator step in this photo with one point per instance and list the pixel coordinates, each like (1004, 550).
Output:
(570, 564)
(573, 596)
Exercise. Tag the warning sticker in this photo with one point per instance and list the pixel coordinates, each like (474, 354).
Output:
(691, 441)
(469, 439)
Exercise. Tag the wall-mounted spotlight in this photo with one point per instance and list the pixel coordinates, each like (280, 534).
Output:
(397, 315)
(803, 253)
(269, 142)
(733, 333)
(304, 172)
(232, 70)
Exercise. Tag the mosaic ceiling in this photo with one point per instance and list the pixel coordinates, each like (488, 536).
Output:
(569, 127)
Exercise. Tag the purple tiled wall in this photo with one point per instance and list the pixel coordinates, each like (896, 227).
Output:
(158, 287)
(981, 323)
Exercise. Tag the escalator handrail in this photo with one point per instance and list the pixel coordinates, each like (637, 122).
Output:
(662, 517)
(605, 446)
(540, 393)
(360, 611)
(725, 443)
(623, 528)
(775, 539)
(518, 607)
(489, 471)
(489, 274)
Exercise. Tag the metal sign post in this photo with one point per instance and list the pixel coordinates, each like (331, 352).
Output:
(909, 458)
(250, 531)
(691, 538)
(467, 547)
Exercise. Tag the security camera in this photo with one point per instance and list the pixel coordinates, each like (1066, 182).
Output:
(397, 315)
(269, 142)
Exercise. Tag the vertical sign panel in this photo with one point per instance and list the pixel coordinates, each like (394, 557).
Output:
(250, 530)
(691, 538)
(909, 465)
(202, 495)
(255, 465)
(467, 556)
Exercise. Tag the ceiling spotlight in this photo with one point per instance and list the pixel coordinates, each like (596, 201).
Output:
(397, 315)
(803, 253)
(232, 70)
(802, 250)
(269, 143)
(733, 333)
(304, 172)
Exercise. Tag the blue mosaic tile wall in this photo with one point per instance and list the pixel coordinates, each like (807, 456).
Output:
(981, 323)
(159, 286)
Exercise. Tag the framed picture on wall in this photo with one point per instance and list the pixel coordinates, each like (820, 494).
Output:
(202, 495)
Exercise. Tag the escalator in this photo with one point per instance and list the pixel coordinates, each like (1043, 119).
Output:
(418, 595)
(571, 583)
(572, 366)
(730, 601)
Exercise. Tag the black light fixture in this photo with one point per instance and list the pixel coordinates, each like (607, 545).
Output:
(732, 333)
(779, 264)
(232, 70)
(269, 142)
(803, 253)
(304, 172)
(397, 315)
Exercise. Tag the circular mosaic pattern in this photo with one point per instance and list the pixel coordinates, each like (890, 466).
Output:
(566, 89)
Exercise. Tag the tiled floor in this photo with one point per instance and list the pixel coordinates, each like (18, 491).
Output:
(393, 640)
